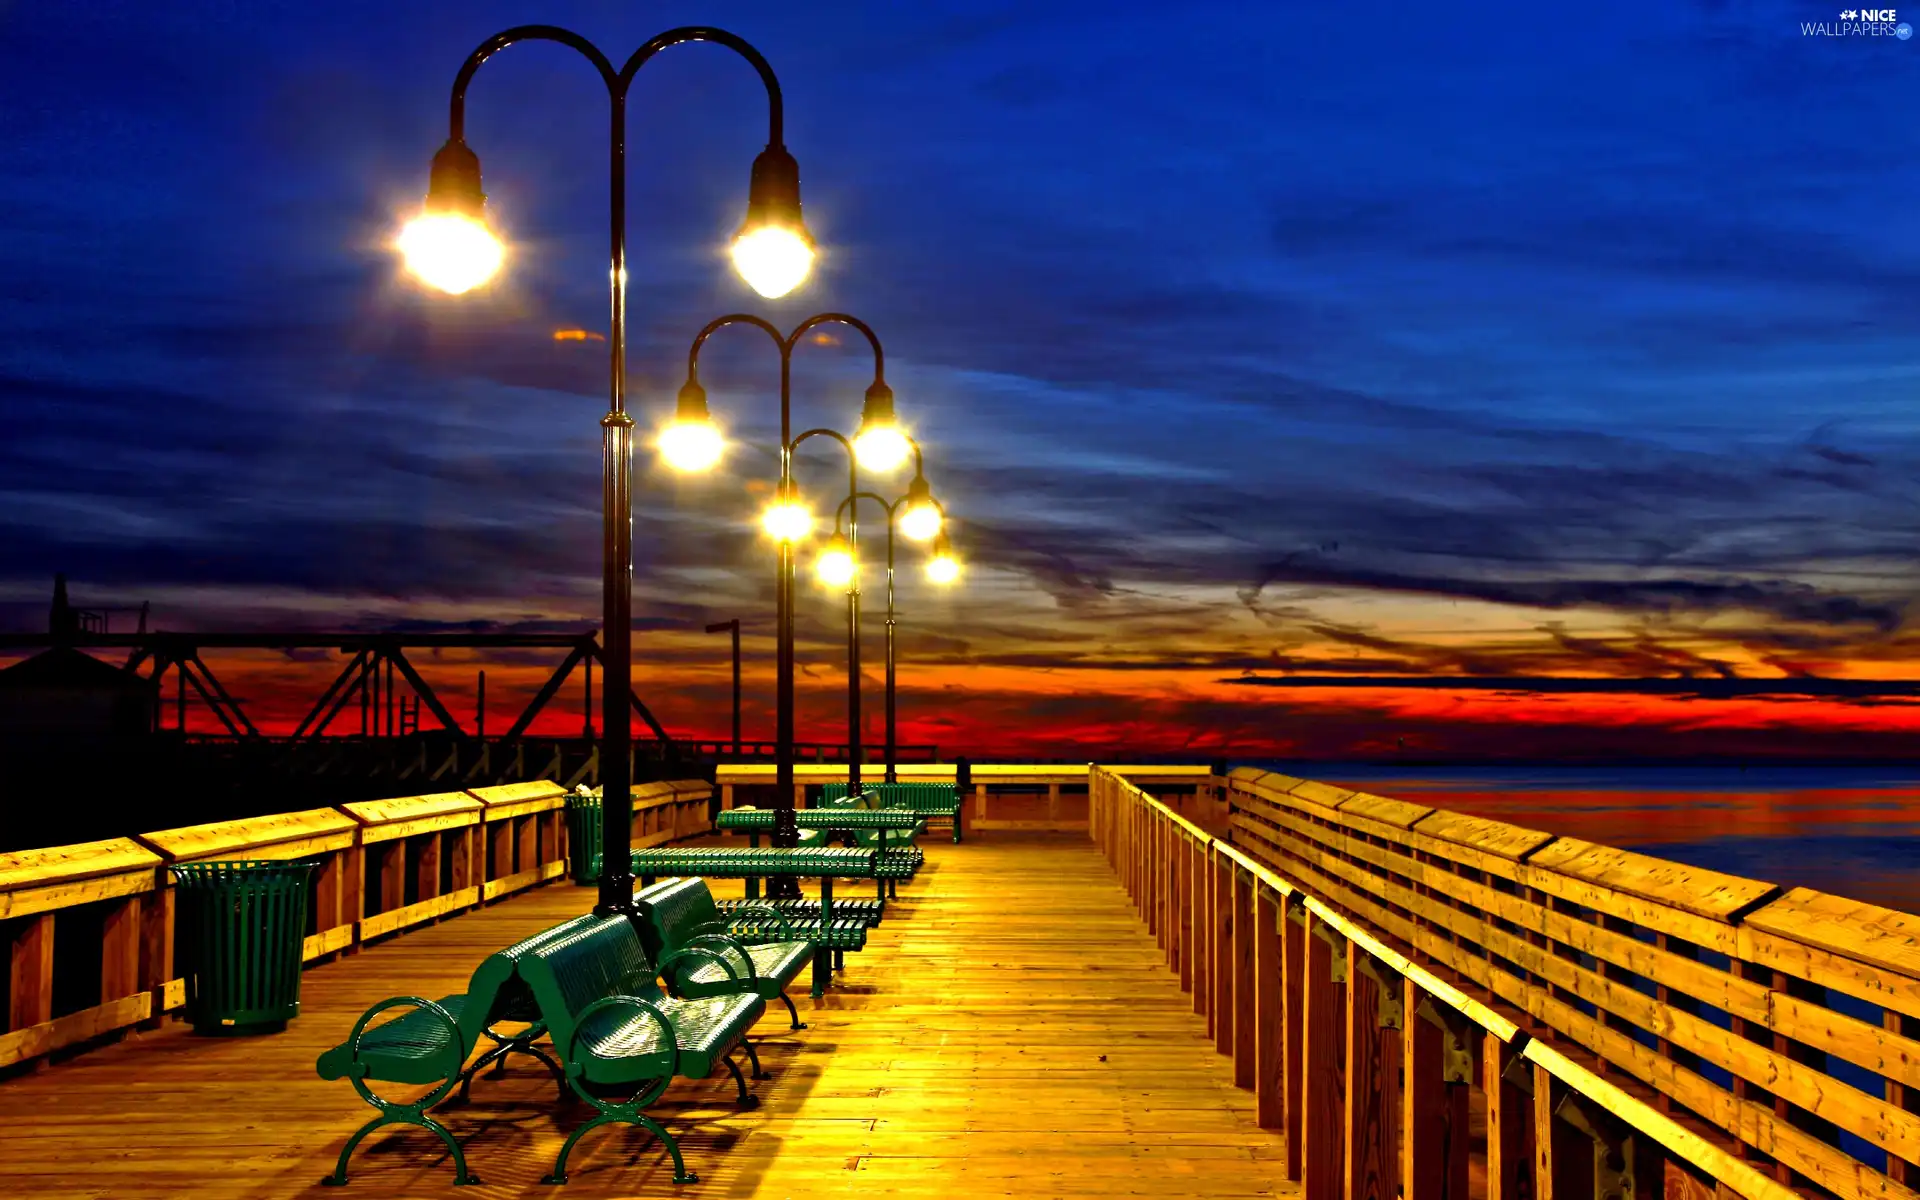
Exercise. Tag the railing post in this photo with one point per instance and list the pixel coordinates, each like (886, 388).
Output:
(1322, 1125)
(1199, 920)
(1223, 960)
(30, 996)
(120, 949)
(1162, 890)
(426, 880)
(1293, 961)
(1509, 1128)
(1373, 1066)
(1599, 1157)
(1269, 1017)
(1150, 870)
(1433, 1123)
(156, 952)
(326, 892)
(353, 892)
(1244, 908)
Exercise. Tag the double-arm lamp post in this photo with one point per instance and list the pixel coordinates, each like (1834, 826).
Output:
(917, 515)
(450, 247)
(693, 443)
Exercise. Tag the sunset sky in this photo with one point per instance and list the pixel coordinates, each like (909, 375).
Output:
(1246, 342)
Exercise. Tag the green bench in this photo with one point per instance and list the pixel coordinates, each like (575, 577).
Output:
(680, 913)
(926, 799)
(616, 1031)
(432, 1043)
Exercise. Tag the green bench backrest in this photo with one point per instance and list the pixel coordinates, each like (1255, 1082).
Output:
(498, 993)
(895, 795)
(673, 912)
(602, 957)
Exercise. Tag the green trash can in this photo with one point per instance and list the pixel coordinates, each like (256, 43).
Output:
(583, 837)
(241, 926)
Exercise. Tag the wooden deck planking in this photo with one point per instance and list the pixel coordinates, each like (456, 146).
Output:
(1011, 1030)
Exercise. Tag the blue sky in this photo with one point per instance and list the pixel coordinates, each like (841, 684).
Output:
(1283, 335)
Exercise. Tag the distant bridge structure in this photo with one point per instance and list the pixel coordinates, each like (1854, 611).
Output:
(388, 707)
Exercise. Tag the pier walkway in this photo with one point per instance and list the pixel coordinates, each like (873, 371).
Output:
(1011, 1030)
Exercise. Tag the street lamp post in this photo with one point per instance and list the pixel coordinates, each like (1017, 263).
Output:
(919, 516)
(692, 442)
(733, 626)
(450, 247)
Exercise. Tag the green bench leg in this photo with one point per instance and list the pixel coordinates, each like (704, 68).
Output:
(792, 1013)
(625, 1112)
(744, 1098)
(612, 1117)
(395, 1116)
(414, 1113)
(823, 957)
(754, 1058)
(523, 1044)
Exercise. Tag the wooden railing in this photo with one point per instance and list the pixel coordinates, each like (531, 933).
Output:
(1633, 1027)
(1000, 796)
(89, 929)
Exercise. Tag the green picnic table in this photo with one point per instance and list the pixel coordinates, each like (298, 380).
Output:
(825, 863)
(891, 865)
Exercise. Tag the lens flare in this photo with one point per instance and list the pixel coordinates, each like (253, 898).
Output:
(451, 252)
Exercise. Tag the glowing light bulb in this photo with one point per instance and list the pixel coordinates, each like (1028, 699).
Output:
(836, 567)
(691, 445)
(921, 522)
(943, 568)
(772, 259)
(881, 448)
(449, 251)
(786, 521)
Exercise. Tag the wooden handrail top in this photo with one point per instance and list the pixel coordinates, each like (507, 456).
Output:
(405, 816)
(283, 835)
(21, 870)
(518, 799)
(988, 773)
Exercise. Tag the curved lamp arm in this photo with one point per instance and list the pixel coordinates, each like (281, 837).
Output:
(617, 81)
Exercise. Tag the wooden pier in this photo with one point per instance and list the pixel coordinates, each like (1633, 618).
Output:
(1192, 985)
(1008, 1031)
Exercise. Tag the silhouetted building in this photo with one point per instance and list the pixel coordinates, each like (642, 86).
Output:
(69, 693)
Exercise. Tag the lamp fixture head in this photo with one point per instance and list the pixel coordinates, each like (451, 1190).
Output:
(773, 250)
(943, 567)
(448, 246)
(836, 566)
(922, 518)
(691, 441)
(786, 519)
(880, 444)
